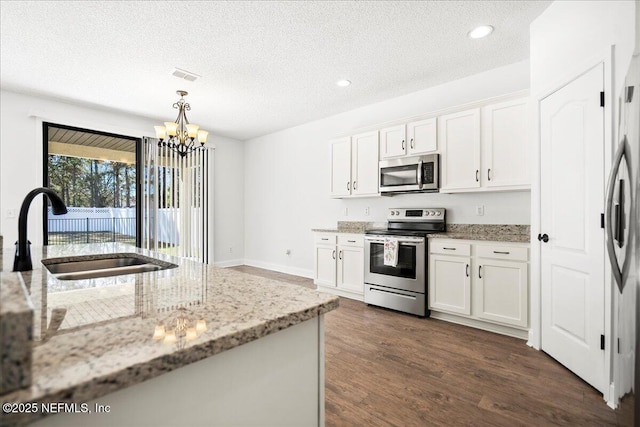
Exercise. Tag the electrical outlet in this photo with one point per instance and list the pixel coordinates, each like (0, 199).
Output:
(287, 251)
(480, 210)
(366, 211)
(12, 213)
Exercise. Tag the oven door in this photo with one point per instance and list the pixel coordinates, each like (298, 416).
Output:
(410, 272)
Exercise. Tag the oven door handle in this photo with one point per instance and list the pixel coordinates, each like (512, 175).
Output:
(400, 242)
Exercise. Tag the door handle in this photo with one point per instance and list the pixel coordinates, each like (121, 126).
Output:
(411, 144)
(340, 255)
(348, 186)
(403, 144)
(477, 175)
(506, 252)
(333, 254)
(489, 174)
(467, 270)
(543, 237)
(355, 185)
(480, 272)
(619, 274)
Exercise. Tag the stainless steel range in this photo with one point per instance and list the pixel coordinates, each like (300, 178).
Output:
(395, 273)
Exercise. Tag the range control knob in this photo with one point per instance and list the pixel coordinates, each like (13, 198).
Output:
(397, 213)
(393, 213)
(438, 213)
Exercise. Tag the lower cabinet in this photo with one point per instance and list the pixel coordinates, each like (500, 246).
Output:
(480, 284)
(339, 264)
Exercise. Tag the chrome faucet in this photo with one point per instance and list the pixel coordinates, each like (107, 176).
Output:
(22, 261)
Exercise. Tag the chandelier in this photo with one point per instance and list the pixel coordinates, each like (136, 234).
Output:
(181, 136)
(185, 329)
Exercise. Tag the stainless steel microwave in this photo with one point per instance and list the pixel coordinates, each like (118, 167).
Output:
(410, 174)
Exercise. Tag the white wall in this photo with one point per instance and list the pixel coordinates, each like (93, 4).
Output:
(21, 163)
(287, 175)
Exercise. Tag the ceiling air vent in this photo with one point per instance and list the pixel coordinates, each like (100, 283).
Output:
(186, 75)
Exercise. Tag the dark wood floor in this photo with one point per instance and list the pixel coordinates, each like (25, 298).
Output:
(385, 368)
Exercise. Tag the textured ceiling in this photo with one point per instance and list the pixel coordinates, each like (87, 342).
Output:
(265, 66)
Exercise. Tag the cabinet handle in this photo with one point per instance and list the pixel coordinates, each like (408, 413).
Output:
(348, 186)
(477, 177)
(355, 185)
(489, 174)
(340, 255)
(501, 252)
(403, 144)
(467, 270)
(325, 238)
(480, 272)
(351, 241)
(333, 254)
(411, 142)
(449, 249)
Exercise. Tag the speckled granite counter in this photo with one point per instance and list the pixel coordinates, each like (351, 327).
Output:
(104, 342)
(355, 227)
(486, 232)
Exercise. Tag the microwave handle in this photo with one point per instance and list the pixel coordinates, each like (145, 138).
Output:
(419, 172)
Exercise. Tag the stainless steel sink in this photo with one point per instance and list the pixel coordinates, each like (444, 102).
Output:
(103, 265)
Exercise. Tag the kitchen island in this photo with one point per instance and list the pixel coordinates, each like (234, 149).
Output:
(229, 348)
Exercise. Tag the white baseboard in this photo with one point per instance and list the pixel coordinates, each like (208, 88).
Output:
(280, 268)
(478, 324)
(230, 263)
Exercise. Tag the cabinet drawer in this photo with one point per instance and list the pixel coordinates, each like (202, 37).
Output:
(325, 239)
(449, 248)
(502, 252)
(351, 240)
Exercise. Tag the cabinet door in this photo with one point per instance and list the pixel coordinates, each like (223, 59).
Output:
(501, 292)
(341, 167)
(351, 269)
(364, 164)
(450, 284)
(506, 154)
(392, 142)
(422, 136)
(325, 265)
(459, 136)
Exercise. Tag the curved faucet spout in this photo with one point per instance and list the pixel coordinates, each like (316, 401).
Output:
(22, 260)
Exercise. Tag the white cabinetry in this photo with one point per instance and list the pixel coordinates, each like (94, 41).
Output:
(414, 138)
(459, 135)
(325, 260)
(339, 264)
(505, 142)
(354, 165)
(480, 284)
(486, 148)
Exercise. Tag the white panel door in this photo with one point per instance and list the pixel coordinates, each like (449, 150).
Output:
(572, 199)
(393, 141)
(502, 291)
(506, 156)
(341, 167)
(422, 136)
(364, 166)
(459, 136)
(325, 265)
(450, 284)
(351, 269)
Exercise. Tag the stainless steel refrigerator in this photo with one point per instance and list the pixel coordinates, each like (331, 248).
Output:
(623, 242)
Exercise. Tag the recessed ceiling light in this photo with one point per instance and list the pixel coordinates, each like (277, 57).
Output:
(343, 83)
(480, 31)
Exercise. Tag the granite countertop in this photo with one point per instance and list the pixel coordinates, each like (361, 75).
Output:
(486, 232)
(104, 342)
(353, 227)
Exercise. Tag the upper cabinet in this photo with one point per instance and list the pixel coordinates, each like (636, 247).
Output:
(459, 135)
(485, 148)
(354, 165)
(414, 138)
(505, 140)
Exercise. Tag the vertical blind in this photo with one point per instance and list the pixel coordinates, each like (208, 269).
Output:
(178, 202)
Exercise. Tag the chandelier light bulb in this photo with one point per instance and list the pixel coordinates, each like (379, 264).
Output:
(171, 127)
(161, 132)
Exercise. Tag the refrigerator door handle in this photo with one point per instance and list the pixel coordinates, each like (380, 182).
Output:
(619, 274)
